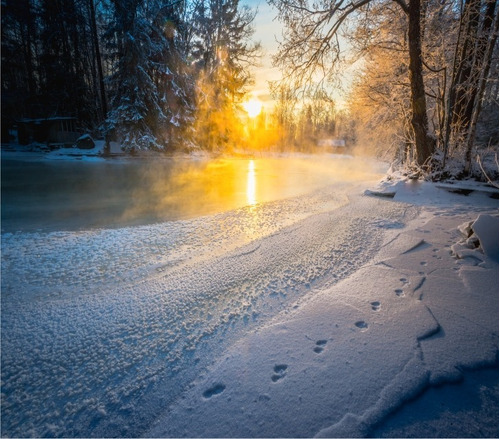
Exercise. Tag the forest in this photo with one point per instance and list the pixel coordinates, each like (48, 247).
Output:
(173, 75)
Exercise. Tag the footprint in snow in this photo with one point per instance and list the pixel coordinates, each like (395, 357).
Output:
(215, 390)
(399, 292)
(279, 372)
(363, 326)
(320, 346)
(375, 306)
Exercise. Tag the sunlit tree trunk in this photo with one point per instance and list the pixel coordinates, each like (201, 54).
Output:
(424, 142)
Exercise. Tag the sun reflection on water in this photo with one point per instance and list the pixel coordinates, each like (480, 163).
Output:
(251, 186)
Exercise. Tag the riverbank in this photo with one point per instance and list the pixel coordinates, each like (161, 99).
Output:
(408, 326)
(292, 317)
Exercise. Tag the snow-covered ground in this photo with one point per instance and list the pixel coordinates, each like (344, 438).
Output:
(320, 314)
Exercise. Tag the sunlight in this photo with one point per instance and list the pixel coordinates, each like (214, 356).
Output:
(251, 186)
(253, 107)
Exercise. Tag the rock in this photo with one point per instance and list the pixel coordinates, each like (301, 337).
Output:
(385, 194)
(85, 142)
(486, 229)
(465, 228)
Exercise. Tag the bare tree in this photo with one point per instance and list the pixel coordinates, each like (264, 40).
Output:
(485, 65)
(311, 46)
(380, 96)
(284, 113)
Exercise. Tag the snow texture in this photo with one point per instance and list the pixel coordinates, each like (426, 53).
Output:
(301, 317)
(342, 361)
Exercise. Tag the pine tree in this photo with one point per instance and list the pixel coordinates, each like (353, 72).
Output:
(151, 97)
(171, 73)
(221, 53)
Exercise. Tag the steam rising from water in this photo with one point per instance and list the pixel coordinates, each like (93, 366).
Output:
(68, 196)
(199, 188)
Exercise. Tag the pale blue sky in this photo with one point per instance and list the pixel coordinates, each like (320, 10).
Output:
(267, 29)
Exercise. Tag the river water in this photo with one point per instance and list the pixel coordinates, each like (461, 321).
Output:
(45, 195)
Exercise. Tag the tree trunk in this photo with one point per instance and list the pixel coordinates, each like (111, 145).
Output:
(424, 143)
(470, 51)
(95, 40)
(452, 93)
(481, 48)
(27, 35)
(486, 65)
(465, 65)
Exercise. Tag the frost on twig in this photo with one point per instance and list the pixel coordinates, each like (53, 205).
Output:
(480, 163)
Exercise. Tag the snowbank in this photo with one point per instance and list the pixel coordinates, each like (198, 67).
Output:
(302, 317)
(91, 154)
(338, 364)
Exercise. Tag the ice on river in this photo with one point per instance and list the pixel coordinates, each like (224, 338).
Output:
(319, 314)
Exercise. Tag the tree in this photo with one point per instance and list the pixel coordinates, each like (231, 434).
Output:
(143, 66)
(49, 60)
(424, 142)
(170, 71)
(484, 65)
(380, 97)
(380, 100)
(150, 97)
(19, 61)
(222, 52)
(476, 40)
(134, 101)
(311, 45)
(98, 60)
(284, 113)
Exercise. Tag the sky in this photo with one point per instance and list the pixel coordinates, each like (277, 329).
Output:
(267, 31)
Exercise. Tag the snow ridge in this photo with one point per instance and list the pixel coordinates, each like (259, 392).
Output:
(300, 317)
(95, 344)
(356, 351)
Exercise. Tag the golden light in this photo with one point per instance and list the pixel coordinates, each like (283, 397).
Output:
(251, 186)
(253, 107)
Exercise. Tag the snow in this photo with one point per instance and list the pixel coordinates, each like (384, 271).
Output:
(356, 351)
(319, 315)
(73, 153)
(486, 229)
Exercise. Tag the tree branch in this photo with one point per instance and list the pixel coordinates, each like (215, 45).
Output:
(403, 5)
(432, 69)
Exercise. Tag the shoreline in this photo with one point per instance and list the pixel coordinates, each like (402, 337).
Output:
(327, 321)
(400, 337)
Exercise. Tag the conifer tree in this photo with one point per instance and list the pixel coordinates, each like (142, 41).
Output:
(222, 53)
(150, 88)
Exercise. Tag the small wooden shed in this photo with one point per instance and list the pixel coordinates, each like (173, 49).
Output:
(54, 131)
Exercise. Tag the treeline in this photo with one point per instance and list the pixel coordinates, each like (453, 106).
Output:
(303, 120)
(428, 82)
(150, 74)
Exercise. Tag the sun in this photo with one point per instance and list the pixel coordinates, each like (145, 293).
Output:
(253, 107)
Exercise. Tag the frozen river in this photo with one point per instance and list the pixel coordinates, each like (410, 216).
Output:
(75, 195)
(105, 327)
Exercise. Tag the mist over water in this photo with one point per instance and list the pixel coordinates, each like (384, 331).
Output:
(66, 195)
